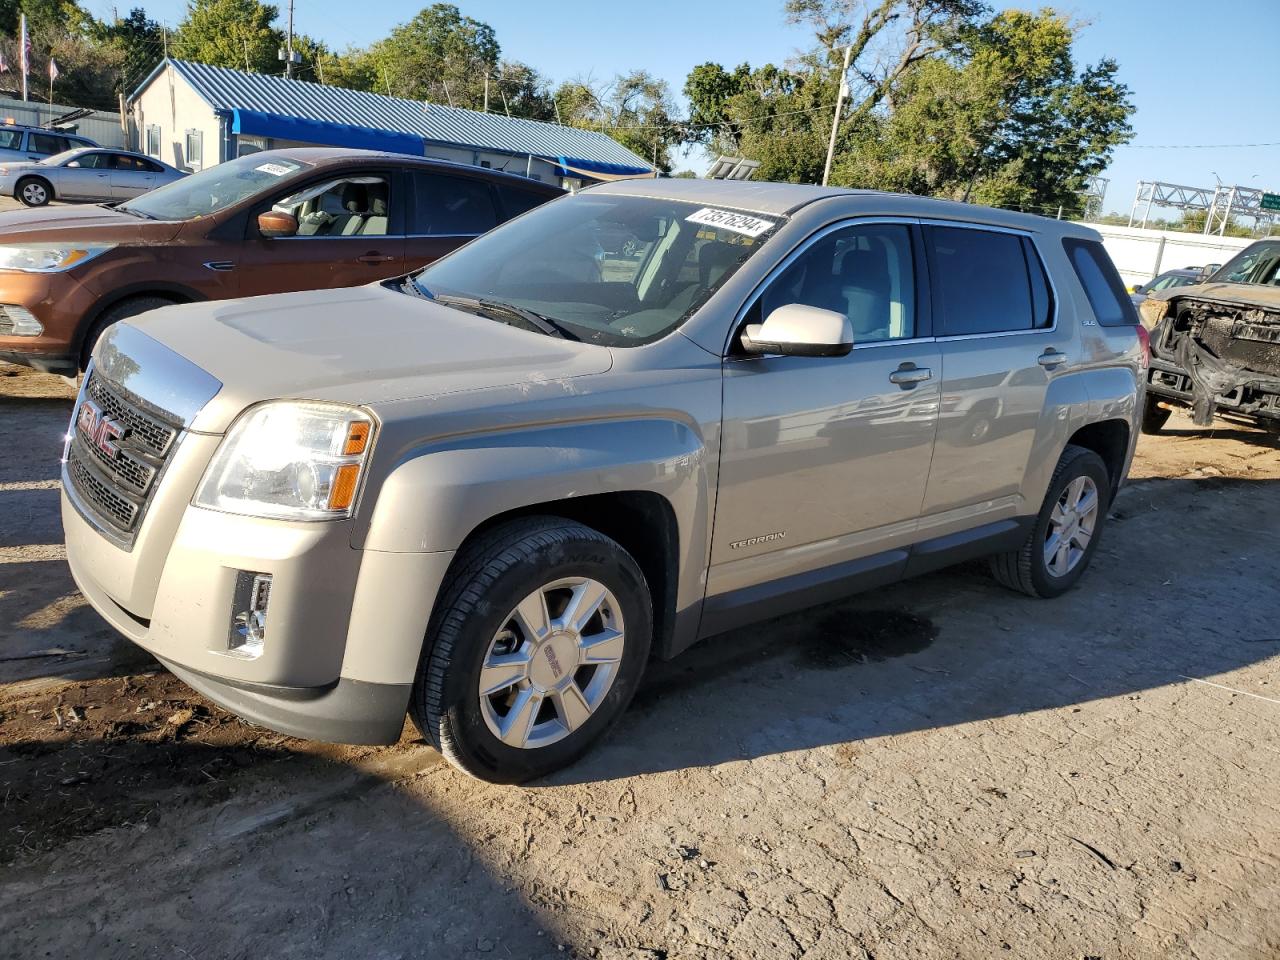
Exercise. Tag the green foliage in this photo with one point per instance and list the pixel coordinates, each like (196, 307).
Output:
(230, 33)
(439, 55)
(636, 109)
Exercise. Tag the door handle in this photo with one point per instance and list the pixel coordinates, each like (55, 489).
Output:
(1051, 358)
(373, 257)
(908, 375)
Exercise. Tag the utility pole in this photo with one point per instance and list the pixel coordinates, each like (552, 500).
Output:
(288, 45)
(835, 121)
(486, 88)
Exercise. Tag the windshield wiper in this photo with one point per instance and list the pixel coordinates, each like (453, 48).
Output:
(135, 213)
(488, 307)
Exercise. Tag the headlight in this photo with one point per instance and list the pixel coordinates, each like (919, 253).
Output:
(290, 461)
(49, 257)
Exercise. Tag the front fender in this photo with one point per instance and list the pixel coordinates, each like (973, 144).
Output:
(439, 494)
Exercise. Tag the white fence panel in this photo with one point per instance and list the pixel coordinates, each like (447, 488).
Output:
(1141, 254)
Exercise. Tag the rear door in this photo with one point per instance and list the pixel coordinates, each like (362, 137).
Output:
(995, 319)
(131, 176)
(89, 175)
(445, 211)
(350, 232)
(41, 145)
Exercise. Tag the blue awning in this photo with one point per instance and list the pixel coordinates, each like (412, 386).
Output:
(576, 167)
(281, 127)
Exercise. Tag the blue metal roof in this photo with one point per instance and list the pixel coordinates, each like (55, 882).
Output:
(257, 99)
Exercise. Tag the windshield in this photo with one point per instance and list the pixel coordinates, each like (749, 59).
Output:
(620, 271)
(1256, 263)
(214, 189)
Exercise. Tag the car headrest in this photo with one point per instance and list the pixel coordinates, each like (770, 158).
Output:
(353, 198)
(715, 257)
(378, 199)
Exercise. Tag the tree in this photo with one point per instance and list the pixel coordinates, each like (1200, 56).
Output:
(439, 55)
(135, 43)
(635, 108)
(230, 33)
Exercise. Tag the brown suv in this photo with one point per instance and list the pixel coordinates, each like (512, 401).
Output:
(271, 222)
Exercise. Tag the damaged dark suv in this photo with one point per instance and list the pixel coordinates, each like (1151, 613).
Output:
(1215, 346)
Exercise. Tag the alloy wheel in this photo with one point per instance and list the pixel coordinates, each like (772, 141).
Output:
(1071, 526)
(551, 663)
(34, 194)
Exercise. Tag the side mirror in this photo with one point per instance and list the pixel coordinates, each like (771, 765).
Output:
(277, 223)
(798, 330)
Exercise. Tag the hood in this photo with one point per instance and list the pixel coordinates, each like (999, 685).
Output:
(361, 345)
(76, 223)
(1238, 294)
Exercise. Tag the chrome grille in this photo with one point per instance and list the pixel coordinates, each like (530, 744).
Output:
(152, 433)
(113, 483)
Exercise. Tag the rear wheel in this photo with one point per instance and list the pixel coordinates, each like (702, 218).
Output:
(1155, 415)
(34, 191)
(1065, 535)
(535, 649)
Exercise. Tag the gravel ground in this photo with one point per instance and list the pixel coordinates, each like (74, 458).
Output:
(939, 769)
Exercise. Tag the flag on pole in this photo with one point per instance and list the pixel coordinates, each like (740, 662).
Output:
(53, 70)
(24, 53)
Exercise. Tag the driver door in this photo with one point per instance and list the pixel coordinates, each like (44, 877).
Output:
(350, 232)
(88, 175)
(824, 459)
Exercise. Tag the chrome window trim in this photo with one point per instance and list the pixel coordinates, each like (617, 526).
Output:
(790, 258)
(1048, 279)
(390, 236)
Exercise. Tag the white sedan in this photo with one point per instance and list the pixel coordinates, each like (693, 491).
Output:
(86, 173)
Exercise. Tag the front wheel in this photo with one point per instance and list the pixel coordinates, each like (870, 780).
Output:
(535, 649)
(1065, 535)
(34, 192)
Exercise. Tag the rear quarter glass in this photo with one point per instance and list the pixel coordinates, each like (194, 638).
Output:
(1101, 282)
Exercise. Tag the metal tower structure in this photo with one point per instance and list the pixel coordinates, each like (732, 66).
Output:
(1219, 203)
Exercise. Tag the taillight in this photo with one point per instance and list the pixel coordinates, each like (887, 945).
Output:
(1144, 341)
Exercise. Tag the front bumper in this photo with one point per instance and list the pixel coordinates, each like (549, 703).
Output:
(59, 302)
(344, 629)
(1168, 381)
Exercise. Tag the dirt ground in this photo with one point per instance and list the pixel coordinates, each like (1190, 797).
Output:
(940, 769)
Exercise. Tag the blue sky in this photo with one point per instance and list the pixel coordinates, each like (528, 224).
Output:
(1201, 74)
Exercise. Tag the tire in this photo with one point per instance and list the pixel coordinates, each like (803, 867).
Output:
(33, 191)
(123, 310)
(1154, 416)
(476, 617)
(1027, 569)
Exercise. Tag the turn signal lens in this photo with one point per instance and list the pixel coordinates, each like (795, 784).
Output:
(343, 492)
(357, 438)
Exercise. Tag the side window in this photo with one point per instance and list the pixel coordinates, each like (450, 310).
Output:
(46, 143)
(153, 139)
(865, 272)
(981, 281)
(1041, 296)
(516, 201)
(10, 139)
(1102, 284)
(92, 161)
(448, 206)
(349, 207)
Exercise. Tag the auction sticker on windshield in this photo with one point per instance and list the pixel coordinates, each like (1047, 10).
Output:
(729, 220)
(275, 169)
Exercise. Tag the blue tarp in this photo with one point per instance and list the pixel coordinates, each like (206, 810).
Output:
(282, 127)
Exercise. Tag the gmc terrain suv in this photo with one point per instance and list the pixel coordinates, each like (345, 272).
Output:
(487, 492)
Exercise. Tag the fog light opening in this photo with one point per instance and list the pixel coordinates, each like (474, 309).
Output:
(249, 614)
(18, 321)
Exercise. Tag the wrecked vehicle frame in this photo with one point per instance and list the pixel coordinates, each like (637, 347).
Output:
(1216, 345)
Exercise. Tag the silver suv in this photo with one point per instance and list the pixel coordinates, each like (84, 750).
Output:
(487, 493)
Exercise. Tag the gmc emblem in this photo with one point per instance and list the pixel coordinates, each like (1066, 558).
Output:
(99, 431)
